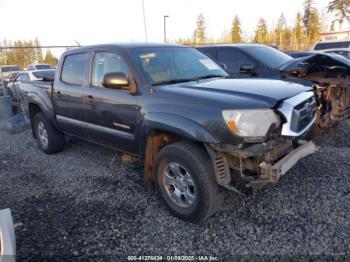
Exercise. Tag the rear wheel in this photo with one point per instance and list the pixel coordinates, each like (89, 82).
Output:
(186, 181)
(49, 139)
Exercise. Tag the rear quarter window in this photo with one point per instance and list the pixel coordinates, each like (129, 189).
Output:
(73, 70)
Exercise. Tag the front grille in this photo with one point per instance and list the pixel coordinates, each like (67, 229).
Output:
(303, 114)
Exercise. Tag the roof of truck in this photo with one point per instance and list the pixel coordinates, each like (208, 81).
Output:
(127, 45)
(231, 45)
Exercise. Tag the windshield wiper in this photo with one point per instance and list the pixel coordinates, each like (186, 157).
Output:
(173, 81)
(208, 76)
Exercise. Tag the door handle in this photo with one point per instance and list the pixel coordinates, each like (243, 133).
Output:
(59, 94)
(90, 99)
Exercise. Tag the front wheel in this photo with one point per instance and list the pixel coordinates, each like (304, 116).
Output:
(49, 139)
(186, 181)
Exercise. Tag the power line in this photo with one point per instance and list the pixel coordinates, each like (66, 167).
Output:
(43, 46)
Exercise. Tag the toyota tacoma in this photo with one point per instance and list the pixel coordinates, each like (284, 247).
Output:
(197, 132)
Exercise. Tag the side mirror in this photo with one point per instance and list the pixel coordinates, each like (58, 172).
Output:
(115, 81)
(248, 69)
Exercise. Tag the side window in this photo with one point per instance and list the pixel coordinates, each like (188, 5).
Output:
(19, 78)
(25, 77)
(233, 60)
(73, 71)
(104, 63)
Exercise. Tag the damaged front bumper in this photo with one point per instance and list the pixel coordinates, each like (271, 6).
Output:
(271, 173)
(258, 165)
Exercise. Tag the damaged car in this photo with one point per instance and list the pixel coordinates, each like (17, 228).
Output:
(197, 131)
(327, 74)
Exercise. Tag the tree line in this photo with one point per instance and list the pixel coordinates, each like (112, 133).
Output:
(23, 53)
(299, 36)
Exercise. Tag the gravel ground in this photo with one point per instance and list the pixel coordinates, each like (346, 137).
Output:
(90, 201)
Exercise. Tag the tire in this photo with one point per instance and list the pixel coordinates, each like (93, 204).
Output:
(54, 140)
(193, 160)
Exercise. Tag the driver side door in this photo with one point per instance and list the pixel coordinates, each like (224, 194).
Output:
(111, 113)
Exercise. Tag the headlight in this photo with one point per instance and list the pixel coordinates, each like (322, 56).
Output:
(251, 122)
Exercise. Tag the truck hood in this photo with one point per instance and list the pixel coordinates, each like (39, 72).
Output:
(318, 68)
(248, 93)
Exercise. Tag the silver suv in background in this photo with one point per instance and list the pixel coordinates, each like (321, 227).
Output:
(38, 67)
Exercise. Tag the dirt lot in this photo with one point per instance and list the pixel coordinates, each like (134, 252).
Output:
(85, 201)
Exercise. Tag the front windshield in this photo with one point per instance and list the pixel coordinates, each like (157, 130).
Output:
(268, 56)
(161, 65)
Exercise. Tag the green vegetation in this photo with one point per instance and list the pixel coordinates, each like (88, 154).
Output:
(341, 8)
(303, 34)
(23, 53)
(236, 31)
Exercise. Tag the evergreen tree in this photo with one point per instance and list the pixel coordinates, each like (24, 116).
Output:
(308, 10)
(311, 21)
(22, 54)
(341, 8)
(298, 33)
(280, 32)
(200, 34)
(261, 33)
(236, 31)
(30, 54)
(38, 51)
(50, 59)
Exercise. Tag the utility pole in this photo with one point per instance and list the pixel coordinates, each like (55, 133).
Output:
(165, 17)
(144, 20)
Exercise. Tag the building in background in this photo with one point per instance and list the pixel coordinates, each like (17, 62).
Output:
(335, 35)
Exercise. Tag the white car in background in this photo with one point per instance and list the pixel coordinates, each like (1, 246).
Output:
(6, 71)
(38, 67)
(13, 87)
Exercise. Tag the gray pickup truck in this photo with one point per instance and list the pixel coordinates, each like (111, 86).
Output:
(197, 132)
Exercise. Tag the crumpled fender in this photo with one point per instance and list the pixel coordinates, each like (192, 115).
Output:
(178, 125)
(317, 63)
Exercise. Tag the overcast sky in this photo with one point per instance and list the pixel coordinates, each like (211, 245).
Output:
(60, 22)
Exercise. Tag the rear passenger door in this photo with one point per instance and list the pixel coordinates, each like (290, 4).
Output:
(234, 60)
(111, 113)
(70, 89)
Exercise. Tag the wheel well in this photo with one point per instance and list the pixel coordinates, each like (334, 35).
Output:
(156, 140)
(33, 110)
